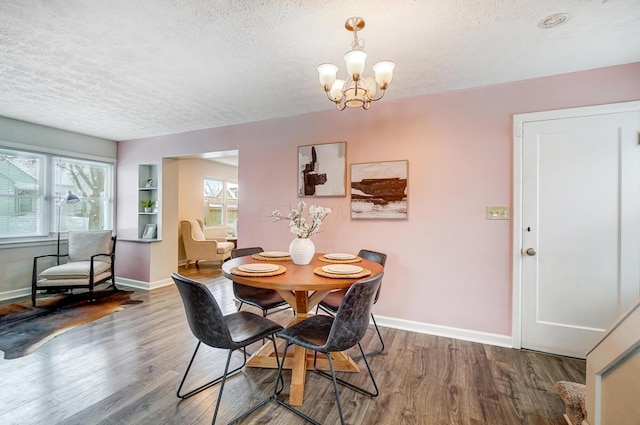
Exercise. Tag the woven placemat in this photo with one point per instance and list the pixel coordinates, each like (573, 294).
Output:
(320, 272)
(238, 272)
(331, 260)
(261, 258)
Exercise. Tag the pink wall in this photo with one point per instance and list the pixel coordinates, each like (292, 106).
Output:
(447, 264)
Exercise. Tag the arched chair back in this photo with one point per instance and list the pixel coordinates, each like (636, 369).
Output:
(264, 299)
(331, 302)
(379, 258)
(241, 252)
(352, 319)
(203, 313)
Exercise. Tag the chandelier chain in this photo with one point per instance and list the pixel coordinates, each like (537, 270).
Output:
(357, 43)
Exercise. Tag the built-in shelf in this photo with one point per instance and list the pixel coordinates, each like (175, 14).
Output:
(148, 222)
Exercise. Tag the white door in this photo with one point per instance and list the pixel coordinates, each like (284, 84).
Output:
(580, 228)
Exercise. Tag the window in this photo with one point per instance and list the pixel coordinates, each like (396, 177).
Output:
(91, 181)
(220, 202)
(33, 186)
(21, 193)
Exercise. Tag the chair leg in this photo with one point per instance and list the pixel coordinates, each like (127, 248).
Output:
(224, 379)
(373, 353)
(379, 337)
(326, 310)
(208, 384)
(348, 384)
(335, 388)
(113, 283)
(277, 390)
(268, 399)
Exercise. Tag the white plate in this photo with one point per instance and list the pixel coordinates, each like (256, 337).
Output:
(342, 269)
(274, 254)
(339, 256)
(258, 267)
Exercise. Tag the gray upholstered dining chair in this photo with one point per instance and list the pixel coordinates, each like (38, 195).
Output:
(264, 299)
(327, 334)
(231, 332)
(332, 301)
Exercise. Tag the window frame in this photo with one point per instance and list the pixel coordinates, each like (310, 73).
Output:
(47, 184)
(225, 204)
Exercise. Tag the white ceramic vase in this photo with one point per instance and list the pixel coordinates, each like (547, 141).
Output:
(301, 251)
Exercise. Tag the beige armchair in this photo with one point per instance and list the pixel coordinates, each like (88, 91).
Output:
(198, 248)
(90, 261)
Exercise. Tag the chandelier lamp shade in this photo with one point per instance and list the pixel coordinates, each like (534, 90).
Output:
(356, 91)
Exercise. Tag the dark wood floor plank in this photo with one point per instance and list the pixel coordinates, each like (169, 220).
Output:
(125, 368)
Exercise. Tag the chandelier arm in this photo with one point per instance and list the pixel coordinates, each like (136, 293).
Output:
(339, 108)
(382, 92)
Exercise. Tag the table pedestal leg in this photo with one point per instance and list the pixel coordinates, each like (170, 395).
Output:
(299, 361)
(298, 376)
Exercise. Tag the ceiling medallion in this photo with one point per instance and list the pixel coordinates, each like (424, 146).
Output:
(356, 91)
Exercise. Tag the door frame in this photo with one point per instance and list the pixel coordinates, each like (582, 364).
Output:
(519, 120)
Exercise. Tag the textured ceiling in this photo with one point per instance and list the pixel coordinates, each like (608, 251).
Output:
(124, 69)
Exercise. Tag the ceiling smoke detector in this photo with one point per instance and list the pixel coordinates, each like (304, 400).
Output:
(553, 20)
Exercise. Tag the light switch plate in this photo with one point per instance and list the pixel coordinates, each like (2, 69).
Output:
(498, 213)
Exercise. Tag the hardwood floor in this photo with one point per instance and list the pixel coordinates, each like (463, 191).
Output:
(125, 369)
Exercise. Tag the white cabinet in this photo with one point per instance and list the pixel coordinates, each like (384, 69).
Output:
(148, 199)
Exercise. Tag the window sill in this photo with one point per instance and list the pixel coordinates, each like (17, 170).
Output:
(30, 242)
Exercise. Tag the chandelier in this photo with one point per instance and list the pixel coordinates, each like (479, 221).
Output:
(356, 91)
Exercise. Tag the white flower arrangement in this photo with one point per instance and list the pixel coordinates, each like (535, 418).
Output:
(298, 225)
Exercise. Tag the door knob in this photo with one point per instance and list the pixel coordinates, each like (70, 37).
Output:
(531, 251)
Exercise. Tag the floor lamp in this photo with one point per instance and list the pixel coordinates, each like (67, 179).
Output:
(71, 198)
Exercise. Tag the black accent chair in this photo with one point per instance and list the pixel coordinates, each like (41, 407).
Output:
(327, 334)
(231, 332)
(264, 299)
(332, 301)
(90, 261)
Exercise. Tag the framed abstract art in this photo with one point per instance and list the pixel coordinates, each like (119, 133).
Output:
(322, 169)
(379, 190)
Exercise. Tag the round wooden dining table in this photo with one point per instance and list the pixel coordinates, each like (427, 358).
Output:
(302, 289)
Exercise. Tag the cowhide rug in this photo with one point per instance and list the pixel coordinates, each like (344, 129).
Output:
(24, 328)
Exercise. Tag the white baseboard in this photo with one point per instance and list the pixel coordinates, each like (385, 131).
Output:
(16, 293)
(445, 331)
(139, 284)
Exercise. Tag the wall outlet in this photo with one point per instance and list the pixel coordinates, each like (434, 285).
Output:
(498, 213)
